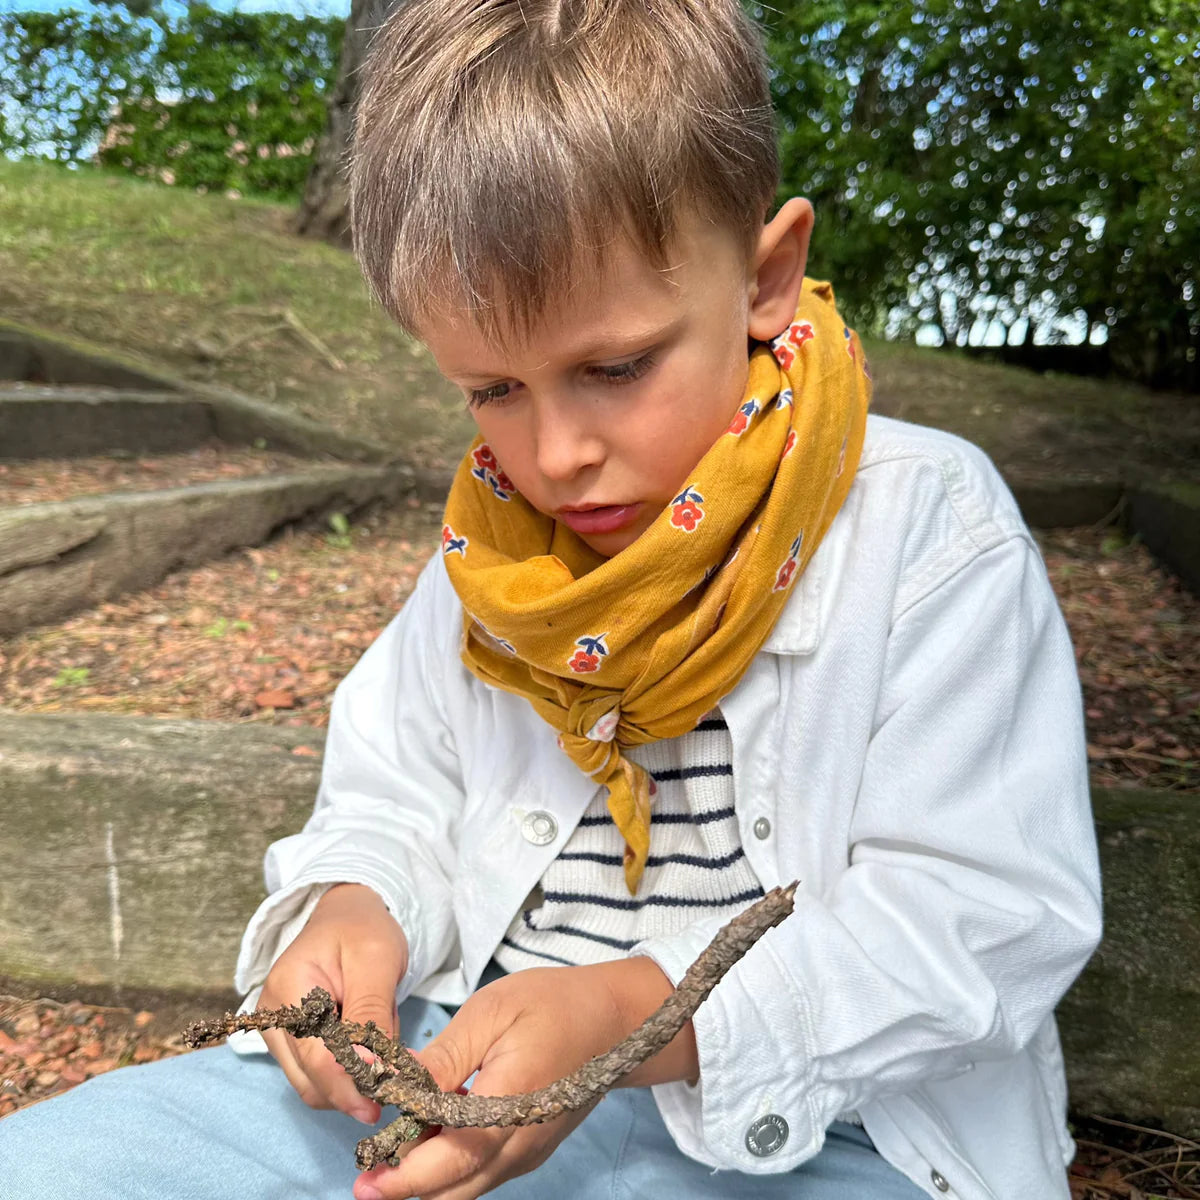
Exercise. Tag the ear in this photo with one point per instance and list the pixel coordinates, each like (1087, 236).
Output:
(778, 270)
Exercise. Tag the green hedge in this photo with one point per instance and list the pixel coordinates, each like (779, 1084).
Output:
(207, 100)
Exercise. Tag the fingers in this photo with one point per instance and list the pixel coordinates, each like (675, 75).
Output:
(367, 987)
(457, 1163)
(455, 1157)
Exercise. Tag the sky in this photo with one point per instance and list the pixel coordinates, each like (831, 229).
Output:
(333, 8)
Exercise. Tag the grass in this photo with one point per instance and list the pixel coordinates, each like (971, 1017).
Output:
(201, 285)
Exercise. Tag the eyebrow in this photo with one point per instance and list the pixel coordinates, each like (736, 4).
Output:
(617, 345)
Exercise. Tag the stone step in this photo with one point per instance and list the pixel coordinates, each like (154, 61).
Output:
(32, 356)
(61, 556)
(155, 829)
(131, 860)
(61, 422)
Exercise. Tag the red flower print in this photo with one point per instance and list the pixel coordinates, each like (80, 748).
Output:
(800, 333)
(786, 346)
(582, 662)
(505, 483)
(485, 460)
(687, 515)
(592, 648)
(745, 415)
(790, 444)
(785, 575)
(686, 509)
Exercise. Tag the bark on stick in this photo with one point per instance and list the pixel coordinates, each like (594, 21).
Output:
(397, 1078)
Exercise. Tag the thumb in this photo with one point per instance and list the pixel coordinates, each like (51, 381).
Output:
(368, 994)
(369, 990)
(456, 1053)
(371, 1005)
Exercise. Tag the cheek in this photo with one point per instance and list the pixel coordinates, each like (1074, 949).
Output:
(688, 421)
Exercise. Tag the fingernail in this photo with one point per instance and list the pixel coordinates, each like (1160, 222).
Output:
(367, 1116)
(367, 1191)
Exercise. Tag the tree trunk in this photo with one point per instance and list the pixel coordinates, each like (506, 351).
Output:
(325, 207)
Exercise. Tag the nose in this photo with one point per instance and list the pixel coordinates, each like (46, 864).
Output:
(567, 439)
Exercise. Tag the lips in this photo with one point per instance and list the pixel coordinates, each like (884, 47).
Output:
(605, 518)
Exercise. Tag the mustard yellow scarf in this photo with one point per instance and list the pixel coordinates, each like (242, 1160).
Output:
(617, 652)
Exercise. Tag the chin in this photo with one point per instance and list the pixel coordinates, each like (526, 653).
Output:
(611, 544)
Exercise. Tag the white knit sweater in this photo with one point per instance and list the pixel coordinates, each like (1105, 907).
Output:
(582, 911)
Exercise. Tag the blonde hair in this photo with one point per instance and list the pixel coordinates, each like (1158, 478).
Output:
(501, 145)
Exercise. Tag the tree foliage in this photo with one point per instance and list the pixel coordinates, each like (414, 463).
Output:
(969, 159)
(1007, 160)
(207, 99)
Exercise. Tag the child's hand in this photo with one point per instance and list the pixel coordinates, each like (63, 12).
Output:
(354, 949)
(521, 1033)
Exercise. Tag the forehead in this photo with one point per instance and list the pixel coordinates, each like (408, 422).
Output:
(616, 302)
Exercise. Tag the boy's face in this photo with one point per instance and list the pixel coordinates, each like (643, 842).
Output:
(600, 415)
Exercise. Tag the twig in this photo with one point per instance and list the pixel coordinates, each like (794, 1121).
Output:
(1162, 1133)
(1169, 1173)
(1110, 518)
(1108, 752)
(311, 340)
(397, 1078)
(293, 322)
(1185, 1192)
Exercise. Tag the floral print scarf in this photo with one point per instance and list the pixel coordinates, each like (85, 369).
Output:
(617, 652)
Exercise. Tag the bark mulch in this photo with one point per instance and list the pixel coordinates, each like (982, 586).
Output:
(266, 634)
(37, 480)
(1137, 642)
(263, 634)
(47, 1047)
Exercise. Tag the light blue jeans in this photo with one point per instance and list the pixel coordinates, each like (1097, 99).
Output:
(212, 1125)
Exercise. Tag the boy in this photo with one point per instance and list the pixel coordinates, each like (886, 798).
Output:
(698, 627)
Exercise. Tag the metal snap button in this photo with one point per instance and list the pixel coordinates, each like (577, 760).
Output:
(762, 829)
(539, 827)
(939, 1181)
(766, 1135)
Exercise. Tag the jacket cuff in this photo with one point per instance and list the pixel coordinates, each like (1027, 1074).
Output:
(753, 1109)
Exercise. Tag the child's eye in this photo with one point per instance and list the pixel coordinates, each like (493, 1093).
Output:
(625, 372)
(494, 394)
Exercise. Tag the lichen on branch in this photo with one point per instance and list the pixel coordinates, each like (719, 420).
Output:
(396, 1077)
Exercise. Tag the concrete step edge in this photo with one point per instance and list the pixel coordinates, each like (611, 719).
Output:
(182, 812)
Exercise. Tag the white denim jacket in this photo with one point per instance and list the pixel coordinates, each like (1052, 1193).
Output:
(908, 745)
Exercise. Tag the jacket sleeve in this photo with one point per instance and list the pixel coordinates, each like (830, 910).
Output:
(969, 902)
(391, 794)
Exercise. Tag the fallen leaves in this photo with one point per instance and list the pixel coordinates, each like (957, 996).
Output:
(34, 481)
(1136, 633)
(47, 1047)
(264, 634)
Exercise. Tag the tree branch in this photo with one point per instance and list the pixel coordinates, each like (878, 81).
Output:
(397, 1078)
